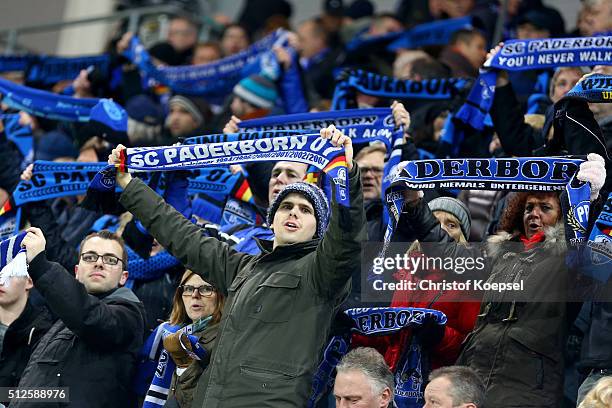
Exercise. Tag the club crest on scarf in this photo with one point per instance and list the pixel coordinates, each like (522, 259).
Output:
(599, 245)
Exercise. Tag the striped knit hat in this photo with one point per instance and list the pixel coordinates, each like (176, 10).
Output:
(257, 90)
(314, 195)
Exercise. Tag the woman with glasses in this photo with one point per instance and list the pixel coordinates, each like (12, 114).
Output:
(178, 351)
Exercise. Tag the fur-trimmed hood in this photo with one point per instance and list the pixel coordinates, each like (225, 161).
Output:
(554, 240)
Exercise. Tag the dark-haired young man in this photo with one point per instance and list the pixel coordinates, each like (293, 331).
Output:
(93, 347)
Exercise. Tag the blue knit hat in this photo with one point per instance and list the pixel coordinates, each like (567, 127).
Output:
(257, 90)
(314, 195)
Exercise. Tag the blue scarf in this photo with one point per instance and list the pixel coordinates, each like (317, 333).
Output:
(10, 220)
(12, 258)
(576, 204)
(361, 125)
(213, 79)
(434, 33)
(599, 245)
(153, 350)
(383, 86)
(362, 40)
(518, 55)
(64, 108)
(310, 149)
(53, 179)
(9, 63)
(157, 392)
(236, 137)
(377, 321)
(537, 174)
(49, 70)
(595, 89)
(20, 135)
(236, 212)
(141, 269)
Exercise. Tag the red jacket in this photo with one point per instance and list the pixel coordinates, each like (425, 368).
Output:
(461, 315)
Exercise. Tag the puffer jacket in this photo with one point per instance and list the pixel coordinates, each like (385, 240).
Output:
(279, 306)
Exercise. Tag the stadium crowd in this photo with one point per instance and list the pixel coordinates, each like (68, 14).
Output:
(195, 217)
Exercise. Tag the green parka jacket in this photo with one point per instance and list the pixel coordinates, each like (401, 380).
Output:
(280, 303)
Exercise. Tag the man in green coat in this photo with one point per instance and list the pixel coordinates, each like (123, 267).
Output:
(280, 303)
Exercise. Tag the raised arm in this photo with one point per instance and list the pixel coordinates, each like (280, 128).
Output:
(517, 137)
(215, 261)
(339, 252)
(104, 325)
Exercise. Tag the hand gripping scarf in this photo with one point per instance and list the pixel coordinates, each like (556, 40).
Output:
(213, 79)
(363, 126)
(64, 108)
(519, 55)
(380, 321)
(383, 86)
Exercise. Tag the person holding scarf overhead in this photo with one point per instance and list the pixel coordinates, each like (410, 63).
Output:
(517, 346)
(280, 303)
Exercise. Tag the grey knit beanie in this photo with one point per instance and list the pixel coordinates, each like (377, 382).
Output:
(456, 208)
(314, 195)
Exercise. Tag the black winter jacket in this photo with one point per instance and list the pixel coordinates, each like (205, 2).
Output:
(596, 351)
(20, 340)
(92, 349)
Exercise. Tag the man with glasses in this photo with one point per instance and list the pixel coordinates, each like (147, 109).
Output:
(92, 349)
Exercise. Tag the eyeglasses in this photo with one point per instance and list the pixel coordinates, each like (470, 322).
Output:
(107, 259)
(204, 290)
(375, 170)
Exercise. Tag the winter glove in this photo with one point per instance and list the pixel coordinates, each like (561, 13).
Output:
(430, 333)
(174, 346)
(593, 171)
